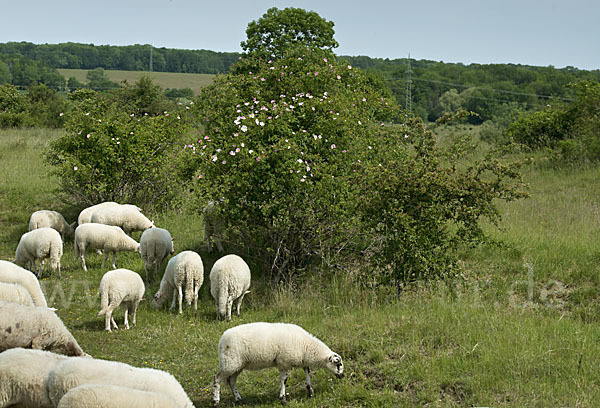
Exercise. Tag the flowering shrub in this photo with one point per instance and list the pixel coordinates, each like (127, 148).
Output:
(307, 170)
(110, 154)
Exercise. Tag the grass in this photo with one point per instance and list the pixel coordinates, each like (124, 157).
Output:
(519, 329)
(165, 79)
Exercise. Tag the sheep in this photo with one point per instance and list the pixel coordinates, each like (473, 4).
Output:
(120, 286)
(22, 376)
(114, 396)
(229, 282)
(105, 237)
(128, 217)
(40, 244)
(15, 293)
(51, 219)
(212, 225)
(184, 269)
(76, 371)
(155, 245)
(85, 216)
(255, 346)
(35, 327)
(11, 273)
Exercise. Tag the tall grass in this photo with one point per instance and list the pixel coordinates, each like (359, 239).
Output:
(519, 329)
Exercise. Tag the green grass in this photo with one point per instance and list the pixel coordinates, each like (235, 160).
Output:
(165, 79)
(520, 329)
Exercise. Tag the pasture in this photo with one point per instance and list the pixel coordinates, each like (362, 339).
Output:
(520, 327)
(165, 79)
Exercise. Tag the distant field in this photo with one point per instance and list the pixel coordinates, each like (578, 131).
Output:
(165, 79)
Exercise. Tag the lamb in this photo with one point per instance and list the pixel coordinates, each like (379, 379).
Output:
(114, 396)
(255, 346)
(22, 376)
(40, 244)
(212, 226)
(155, 245)
(37, 328)
(120, 286)
(104, 237)
(229, 282)
(51, 219)
(15, 293)
(127, 217)
(76, 371)
(11, 273)
(184, 269)
(85, 216)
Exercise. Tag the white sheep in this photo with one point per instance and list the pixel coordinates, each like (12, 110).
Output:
(76, 371)
(42, 244)
(120, 287)
(155, 245)
(184, 270)
(51, 219)
(229, 282)
(15, 293)
(107, 238)
(128, 217)
(35, 327)
(85, 216)
(114, 396)
(22, 376)
(255, 346)
(213, 227)
(11, 273)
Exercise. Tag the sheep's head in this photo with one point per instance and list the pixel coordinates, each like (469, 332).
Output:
(159, 299)
(335, 365)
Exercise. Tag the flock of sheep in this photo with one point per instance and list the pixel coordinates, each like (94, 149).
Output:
(41, 363)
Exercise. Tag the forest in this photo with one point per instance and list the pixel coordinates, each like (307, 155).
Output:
(496, 92)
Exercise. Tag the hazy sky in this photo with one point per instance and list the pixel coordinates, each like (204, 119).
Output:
(533, 32)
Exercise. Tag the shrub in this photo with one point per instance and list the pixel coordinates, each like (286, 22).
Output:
(111, 154)
(307, 170)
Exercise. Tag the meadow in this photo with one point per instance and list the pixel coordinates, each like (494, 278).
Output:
(166, 80)
(519, 327)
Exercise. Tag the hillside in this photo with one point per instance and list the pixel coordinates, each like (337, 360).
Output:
(165, 79)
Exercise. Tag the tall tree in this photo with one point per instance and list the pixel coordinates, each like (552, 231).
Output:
(278, 30)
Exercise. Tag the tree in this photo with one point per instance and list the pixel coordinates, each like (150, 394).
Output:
(98, 79)
(278, 30)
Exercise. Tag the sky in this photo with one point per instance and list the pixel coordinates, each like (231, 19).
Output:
(530, 32)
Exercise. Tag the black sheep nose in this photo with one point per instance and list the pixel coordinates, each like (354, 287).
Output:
(339, 375)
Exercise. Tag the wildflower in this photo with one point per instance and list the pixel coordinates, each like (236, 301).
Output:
(61, 114)
(243, 145)
(262, 79)
(325, 59)
(316, 73)
(88, 136)
(132, 115)
(349, 66)
(333, 146)
(244, 128)
(214, 158)
(224, 162)
(200, 176)
(364, 99)
(75, 168)
(232, 153)
(339, 77)
(262, 123)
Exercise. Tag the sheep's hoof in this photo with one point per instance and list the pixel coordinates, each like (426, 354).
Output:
(215, 403)
(310, 391)
(283, 400)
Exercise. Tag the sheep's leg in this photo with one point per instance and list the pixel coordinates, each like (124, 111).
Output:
(228, 309)
(238, 304)
(179, 298)
(125, 311)
(104, 260)
(232, 379)
(216, 390)
(108, 319)
(174, 298)
(309, 387)
(283, 376)
(134, 312)
(147, 276)
(82, 257)
(196, 298)
(114, 260)
(58, 269)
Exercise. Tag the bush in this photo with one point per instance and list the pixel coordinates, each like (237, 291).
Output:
(308, 172)
(111, 154)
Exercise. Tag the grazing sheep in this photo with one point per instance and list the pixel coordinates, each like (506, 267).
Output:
(114, 396)
(155, 245)
(183, 270)
(22, 376)
(120, 286)
(51, 219)
(229, 282)
(255, 346)
(11, 273)
(40, 244)
(212, 226)
(104, 237)
(15, 293)
(35, 327)
(128, 217)
(85, 216)
(76, 371)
